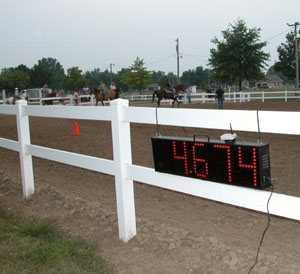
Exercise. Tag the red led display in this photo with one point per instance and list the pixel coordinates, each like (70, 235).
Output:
(237, 163)
(184, 158)
(199, 160)
(253, 166)
(228, 160)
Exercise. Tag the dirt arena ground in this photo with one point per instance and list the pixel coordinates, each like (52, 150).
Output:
(176, 233)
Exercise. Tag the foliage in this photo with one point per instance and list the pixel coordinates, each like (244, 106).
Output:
(156, 76)
(271, 71)
(31, 246)
(199, 77)
(93, 77)
(14, 78)
(74, 79)
(137, 77)
(286, 55)
(48, 71)
(239, 55)
(162, 81)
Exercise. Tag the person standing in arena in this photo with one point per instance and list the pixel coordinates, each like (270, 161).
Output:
(220, 97)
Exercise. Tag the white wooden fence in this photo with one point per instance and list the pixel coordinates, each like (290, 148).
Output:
(242, 96)
(121, 115)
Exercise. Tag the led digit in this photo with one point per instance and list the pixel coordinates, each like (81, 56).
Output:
(228, 160)
(184, 157)
(195, 160)
(253, 166)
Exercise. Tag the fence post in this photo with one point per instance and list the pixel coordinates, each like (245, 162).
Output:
(285, 96)
(234, 96)
(41, 97)
(3, 96)
(122, 157)
(25, 158)
(92, 99)
(203, 97)
(263, 96)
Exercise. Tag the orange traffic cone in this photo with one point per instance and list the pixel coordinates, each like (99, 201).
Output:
(76, 129)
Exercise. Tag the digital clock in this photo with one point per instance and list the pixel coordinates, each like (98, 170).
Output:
(237, 163)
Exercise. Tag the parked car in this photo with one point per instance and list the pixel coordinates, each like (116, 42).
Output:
(264, 86)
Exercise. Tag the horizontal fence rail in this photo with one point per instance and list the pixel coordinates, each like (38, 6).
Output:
(121, 116)
(239, 196)
(243, 120)
(204, 97)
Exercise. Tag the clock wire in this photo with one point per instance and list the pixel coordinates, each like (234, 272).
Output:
(263, 235)
(157, 125)
(258, 128)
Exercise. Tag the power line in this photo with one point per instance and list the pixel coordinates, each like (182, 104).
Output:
(277, 35)
(193, 56)
(160, 60)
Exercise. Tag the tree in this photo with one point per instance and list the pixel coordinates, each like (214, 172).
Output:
(95, 76)
(13, 78)
(157, 75)
(137, 76)
(239, 55)
(48, 71)
(74, 79)
(286, 55)
(198, 77)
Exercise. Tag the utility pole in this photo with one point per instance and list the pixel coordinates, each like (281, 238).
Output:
(297, 54)
(177, 51)
(111, 73)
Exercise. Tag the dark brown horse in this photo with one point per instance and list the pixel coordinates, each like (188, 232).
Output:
(179, 89)
(212, 93)
(165, 94)
(49, 95)
(109, 95)
(85, 99)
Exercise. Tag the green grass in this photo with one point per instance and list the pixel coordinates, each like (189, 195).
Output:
(31, 246)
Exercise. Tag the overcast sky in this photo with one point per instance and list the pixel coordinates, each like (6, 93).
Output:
(94, 33)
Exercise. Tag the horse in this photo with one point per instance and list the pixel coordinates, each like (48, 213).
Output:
(85, 99)
(179, 88)
(165, 94)
(12, 100)
(109, 95)
(49, 95)
(210, 91)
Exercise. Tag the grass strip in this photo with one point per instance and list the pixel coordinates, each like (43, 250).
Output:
(31, 246)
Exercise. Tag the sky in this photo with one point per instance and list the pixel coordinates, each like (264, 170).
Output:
(96, 33)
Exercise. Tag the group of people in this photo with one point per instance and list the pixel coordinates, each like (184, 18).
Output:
(85, 91)
(219, 93)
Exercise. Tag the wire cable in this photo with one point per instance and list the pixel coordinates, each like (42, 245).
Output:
(258, 128)
(160, 60)
(191, 56)
(157, 125)
(277, 35)
(263, 235)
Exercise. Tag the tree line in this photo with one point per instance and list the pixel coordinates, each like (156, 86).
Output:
(236, 57)
(49, 71)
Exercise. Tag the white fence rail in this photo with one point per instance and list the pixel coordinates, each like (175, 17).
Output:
(121, 115)
(195, 97)
(242, 96)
